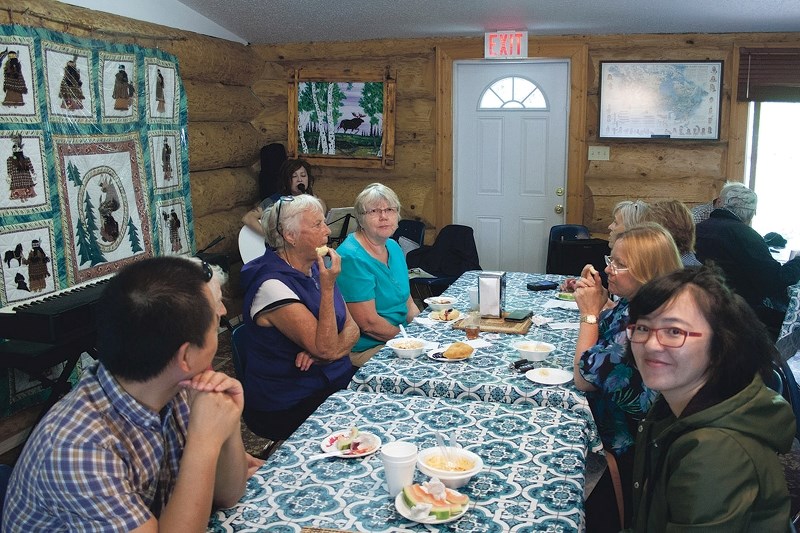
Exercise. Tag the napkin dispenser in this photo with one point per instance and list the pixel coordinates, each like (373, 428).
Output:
(492, 294)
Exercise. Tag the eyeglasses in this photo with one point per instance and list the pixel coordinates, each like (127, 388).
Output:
(278, 216)
(207, 272)
(614, 268)
(377, 212)
(671, 337)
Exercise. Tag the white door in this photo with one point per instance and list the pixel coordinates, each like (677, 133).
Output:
(510, 160)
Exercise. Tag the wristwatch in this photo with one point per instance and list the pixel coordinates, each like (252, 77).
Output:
(589, 319)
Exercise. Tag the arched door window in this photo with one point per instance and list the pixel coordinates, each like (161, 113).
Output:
(512, 93)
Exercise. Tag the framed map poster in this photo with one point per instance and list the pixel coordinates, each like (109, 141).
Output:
(660, 99)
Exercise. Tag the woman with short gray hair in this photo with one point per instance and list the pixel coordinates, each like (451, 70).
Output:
(374, 278)
(627, 214)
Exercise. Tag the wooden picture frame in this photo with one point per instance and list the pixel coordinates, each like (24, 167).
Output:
(362, 115)
(660, 100)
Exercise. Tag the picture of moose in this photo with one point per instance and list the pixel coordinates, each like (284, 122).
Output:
(352, 123)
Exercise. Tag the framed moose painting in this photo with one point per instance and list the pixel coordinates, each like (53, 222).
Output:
(343, 119)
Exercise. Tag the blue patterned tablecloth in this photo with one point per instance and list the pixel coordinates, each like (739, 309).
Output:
(533, 476)
(486, 375)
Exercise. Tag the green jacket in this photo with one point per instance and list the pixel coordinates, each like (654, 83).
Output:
(715, 469)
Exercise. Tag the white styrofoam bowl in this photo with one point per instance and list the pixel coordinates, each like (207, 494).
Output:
(533, 350)
(407, 348)
(451, 479)
(439, 303)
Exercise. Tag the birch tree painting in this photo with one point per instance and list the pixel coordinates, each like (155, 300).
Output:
(343, 118)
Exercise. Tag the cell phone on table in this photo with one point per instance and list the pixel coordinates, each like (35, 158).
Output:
(542, 285)
(517, 316)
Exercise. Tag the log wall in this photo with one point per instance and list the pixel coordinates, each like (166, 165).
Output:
(691, 171)
(238, 102)
(218, 76)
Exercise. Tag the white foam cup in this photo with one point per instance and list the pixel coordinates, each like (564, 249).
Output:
(399, 462)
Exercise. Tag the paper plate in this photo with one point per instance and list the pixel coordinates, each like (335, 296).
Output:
(403, 509)
(437, 355)
(459, 317)
(549, 376)
(328, 444)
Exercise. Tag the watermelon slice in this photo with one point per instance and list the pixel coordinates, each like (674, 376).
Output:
(441, 509)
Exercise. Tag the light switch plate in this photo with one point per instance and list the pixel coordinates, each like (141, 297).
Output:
(599, 153)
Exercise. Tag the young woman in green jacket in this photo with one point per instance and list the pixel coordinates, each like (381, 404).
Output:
(706, 453)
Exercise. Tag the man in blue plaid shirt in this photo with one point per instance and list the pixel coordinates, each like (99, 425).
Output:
(150, 437)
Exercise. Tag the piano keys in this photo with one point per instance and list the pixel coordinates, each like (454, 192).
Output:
(56, 317)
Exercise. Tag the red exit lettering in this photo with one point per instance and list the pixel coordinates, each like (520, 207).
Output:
(506, 44)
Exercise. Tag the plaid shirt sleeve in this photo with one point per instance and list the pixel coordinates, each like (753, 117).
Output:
(93, 484)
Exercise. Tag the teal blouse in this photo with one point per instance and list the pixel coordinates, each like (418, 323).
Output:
(364, 278)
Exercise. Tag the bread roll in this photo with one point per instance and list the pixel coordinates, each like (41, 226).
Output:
(458, 350)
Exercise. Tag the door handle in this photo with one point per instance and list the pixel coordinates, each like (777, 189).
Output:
(559, 209)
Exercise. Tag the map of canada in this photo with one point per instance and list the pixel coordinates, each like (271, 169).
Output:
(660, 100)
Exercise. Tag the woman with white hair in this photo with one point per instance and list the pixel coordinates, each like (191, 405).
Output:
(626, 215)
(727, 239)
(298, 331)
(374, 279)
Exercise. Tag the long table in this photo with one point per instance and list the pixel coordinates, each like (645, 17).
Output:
(532, 480)
(486, 375)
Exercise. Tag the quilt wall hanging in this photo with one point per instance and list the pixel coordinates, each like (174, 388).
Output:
(97, 170)
(96, 174)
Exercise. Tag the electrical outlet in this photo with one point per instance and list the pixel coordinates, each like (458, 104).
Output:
(599, 153)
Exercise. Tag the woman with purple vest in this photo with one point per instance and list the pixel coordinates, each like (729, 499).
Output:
(298, 332)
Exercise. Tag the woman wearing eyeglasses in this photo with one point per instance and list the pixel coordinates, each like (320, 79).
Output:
(374, 279)
(616, 394)
(298, 332)
(706, 452)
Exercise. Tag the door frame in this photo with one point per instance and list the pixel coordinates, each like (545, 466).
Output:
(578, 56)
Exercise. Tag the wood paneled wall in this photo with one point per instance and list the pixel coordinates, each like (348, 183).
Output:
(691, 171)
(218, 76)
(238, 103)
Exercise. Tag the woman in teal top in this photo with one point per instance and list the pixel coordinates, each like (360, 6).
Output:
(374, 277)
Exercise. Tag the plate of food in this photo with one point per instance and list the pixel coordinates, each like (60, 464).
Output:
(549, 376)
(458, 351)
(415, 503)
(445, 315)
(351, 443)
(566, 296)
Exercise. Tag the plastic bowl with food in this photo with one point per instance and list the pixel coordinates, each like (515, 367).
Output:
(439, 303)
(533, 350)
(453, 466)
(407, 347)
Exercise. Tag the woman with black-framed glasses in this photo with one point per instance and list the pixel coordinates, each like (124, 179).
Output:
(616, 395)
(706, 453)
(298, 331)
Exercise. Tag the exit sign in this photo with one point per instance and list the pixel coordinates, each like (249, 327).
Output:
(505, 45)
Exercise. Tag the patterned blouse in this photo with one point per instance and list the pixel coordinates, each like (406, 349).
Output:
(621, 399)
